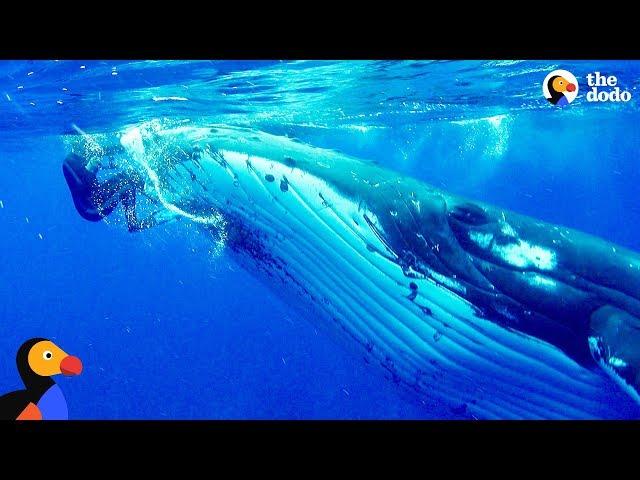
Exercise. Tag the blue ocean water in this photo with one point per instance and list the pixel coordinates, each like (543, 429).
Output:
(165, 329)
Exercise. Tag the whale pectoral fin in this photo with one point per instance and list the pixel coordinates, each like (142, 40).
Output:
(614, 341)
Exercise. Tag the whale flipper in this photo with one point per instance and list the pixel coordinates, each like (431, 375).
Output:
(614, 342)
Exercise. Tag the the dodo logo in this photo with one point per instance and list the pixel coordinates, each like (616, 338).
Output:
(560, 87)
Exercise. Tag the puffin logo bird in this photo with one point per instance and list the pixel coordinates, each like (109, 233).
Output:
(38, 359)
(558, 85)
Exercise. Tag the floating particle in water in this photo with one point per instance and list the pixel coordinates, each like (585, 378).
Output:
(283, 361)
(170, 99)
(32, 103)
(1, 204)
(269, 178)
(20, 87)
(82, 67)
(8, 97)
(346, 392)
(26, 219)
(64, 89)
(40, 236)
(59, 102)
(114, 73)
(29, 74)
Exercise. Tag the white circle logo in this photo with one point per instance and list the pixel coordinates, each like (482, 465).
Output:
(560, 87)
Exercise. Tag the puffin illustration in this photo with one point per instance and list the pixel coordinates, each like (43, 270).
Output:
(557, 85)
(38, 360)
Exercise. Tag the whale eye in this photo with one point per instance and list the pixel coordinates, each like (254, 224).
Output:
(470, 214)
(47, 355)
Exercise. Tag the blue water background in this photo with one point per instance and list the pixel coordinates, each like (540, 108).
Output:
(166, 329)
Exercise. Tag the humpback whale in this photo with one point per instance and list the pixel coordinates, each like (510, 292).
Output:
(474, 307)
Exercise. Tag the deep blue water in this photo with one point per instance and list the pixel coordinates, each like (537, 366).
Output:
(165, 329)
